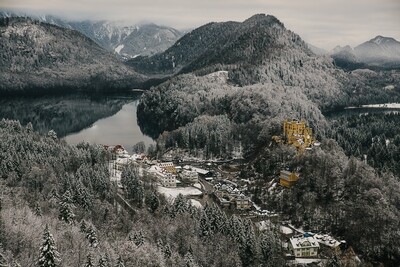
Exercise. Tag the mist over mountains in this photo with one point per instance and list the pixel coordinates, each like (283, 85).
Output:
(379, 52)
(126, 40)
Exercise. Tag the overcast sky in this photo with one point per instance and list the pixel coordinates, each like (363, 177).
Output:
(323, 23)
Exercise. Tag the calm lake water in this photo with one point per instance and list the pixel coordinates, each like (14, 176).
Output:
(121, 128)
(102, 119)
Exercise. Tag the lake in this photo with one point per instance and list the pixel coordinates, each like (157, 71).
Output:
(121, 128)
(366, 109)
(101, 119)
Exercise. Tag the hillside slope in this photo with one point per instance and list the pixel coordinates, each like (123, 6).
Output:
(253, 73)
(377, 53)
(39, 57)
(129, 41)
(258, 50)
(122, 38)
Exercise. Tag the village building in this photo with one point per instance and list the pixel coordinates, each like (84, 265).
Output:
(189, 176)
(167, 166)
(117, 151)
(166, 179)
(201, 172)
(232, 198)
(287, 178)
(303, 246)
(243, 202)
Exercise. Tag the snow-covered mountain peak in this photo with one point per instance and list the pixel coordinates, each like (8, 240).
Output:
(378, 40)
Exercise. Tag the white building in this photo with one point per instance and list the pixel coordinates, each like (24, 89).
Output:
(304, 246)
(166, 179)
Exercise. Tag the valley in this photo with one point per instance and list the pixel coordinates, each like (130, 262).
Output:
(242, 117)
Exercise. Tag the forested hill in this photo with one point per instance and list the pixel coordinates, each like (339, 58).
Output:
(258, 50)
(50, 187)
(265, 73)
(39, 57)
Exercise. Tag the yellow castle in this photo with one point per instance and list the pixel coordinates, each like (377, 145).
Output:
(298, 134)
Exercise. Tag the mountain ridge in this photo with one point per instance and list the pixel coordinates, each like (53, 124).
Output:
(39, 57)
(377, 53)
(122, 38)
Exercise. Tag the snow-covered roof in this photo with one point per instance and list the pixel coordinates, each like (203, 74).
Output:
(198, 170)
(303, 242)
(327, 240)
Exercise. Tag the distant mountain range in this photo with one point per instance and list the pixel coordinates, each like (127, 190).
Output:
(38, 57)
(128, 41)
(377, 53)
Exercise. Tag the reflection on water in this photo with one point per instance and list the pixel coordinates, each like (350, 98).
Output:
(360, 111)
(102, 119)
(120, 128)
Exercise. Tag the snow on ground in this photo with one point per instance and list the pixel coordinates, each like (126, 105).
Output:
(286, 230)
(306, 260)
(387, 105)
(119, 48)
(174, 192)
(196, 203)
(300, 230)
(264, 225)
(197, 185)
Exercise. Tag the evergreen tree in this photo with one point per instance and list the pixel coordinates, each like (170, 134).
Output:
(152, 201)
(137, 238)
(3, 261)
(52, 134)
(120, 262)
(167, 251)
(132, 184)
(38, 210)
(66, 213)
(49, 255)
(89, 261)
(82, 196)
(92, 237)
(103, 261)
(189, 260)
(248, 247)
(217, 218)
(269, 249)
(204, 227)
(83, 226)
(139, 147)
(180, 205)
(334, 262)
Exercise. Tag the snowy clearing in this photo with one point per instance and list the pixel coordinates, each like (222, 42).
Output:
(119, 48)
(174, 192)
(306, 260)
(286, 230)
(197, 185)
(196, 203)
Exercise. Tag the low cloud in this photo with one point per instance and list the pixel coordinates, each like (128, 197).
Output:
(324, 23)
